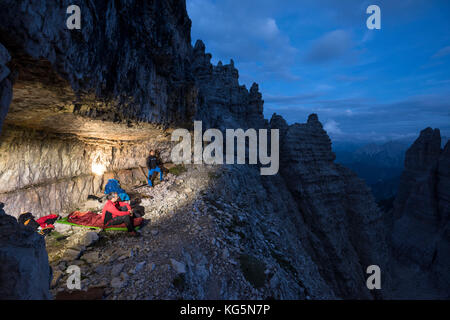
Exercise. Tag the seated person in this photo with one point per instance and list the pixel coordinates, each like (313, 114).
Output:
(116, 212)
(153, 166)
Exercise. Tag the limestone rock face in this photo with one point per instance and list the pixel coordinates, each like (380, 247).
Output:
(24, 269)
(129, 60)
(45, 173)
(222, 102)
(421, 217)
(346, 231)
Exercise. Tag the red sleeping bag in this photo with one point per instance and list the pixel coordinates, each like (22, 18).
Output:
(92, 219)
(47, 221)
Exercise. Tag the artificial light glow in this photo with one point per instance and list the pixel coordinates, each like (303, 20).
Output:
(98, 168)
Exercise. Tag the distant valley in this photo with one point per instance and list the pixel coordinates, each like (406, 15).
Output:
(379, 164)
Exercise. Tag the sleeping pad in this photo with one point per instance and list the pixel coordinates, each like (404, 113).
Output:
(93, 220)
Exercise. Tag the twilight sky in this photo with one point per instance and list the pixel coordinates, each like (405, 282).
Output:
(318, 56)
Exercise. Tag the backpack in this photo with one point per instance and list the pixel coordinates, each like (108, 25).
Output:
(114, 186)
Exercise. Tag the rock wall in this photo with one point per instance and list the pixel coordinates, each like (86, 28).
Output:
(346, 227)
(129, 68)
(43, 172)
(260, 220)
(421, 216)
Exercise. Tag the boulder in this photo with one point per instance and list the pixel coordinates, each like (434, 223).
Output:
(139, 267)
(91, 257)
(117, 283)
(179, 267)
(24, 269)
(89, 238)
(117, 269)
(62, 228)
(72, 254)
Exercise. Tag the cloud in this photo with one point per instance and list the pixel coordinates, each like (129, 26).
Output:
(367, 120)
(332, 127)
(290, 100)
(442, 53)
(246, 33)
(351, 13)
(269, 28)
(331, 46)
(346, 78)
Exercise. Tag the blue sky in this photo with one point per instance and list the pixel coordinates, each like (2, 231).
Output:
(318, 56)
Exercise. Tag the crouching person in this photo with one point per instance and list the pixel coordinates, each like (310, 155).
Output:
(116, 212)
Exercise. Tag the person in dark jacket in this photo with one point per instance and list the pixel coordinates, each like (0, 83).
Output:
(116, 212)
(153, 164)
